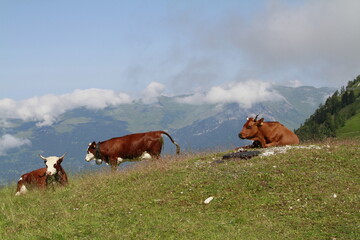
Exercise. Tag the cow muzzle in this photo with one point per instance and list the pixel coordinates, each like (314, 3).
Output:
(89, 156)
(49, 173)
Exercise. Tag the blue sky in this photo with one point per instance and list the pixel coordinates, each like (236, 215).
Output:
(57, 56)
(57, 47)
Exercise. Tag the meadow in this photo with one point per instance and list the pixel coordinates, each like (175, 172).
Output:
(300, 194)
(351, 129)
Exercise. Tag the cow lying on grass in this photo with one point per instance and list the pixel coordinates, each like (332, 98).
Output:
(114, 151)
(267, 134)
(43, 177)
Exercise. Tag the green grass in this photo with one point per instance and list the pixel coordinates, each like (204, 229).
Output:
(351, 128)
(69, 124)
(302, 194)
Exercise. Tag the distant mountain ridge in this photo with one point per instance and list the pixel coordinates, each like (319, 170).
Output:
(194, 127)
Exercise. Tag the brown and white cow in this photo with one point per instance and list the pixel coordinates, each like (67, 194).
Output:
(139, 145)
(267, 134)
(43, 177)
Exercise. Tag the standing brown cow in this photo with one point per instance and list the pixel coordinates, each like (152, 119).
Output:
(42, 177)
(115, 150)
(267, 134)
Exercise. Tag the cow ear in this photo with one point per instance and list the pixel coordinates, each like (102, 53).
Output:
(260, 122)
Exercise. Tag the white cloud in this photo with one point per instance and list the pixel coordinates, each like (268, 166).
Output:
(152, 92)
(322, 32)
(316, 42)
(244, 93)
(8, 141)
(292, 83)
(47, 108)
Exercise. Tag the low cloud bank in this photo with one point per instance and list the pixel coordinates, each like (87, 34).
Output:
(152, 92)
(8, 141)
(244, 93)
(47, 108)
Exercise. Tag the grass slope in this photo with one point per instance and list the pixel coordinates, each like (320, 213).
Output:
(302, 194)
(351, 128)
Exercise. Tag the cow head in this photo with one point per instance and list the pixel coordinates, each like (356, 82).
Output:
(52, 164)
(251, 128)
(91, 153)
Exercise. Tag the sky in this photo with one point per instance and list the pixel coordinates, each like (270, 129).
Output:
(59, 55)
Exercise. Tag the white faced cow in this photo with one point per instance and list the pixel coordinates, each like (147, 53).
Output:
(43, 177)
(133, 146)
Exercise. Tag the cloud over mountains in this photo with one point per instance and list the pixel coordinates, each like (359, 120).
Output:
(152, 92)
(8, 141)
(316, 42)
(45, 109)
(244, 93)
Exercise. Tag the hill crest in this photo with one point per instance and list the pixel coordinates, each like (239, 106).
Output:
(195, 127)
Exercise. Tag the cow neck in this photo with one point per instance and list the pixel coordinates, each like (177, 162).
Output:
(50, 179)
(97, 151)
(258, 134)
(58, 175)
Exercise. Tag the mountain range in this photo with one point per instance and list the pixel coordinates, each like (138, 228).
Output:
(195, 127)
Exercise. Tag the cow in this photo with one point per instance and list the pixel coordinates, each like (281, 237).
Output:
(138, 145)
(267, 134)
(43, 177)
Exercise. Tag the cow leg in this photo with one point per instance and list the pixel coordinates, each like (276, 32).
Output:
(113, 168)
(145, 156)
(155, 149)
(255, 144)
(21, 188)
(113, 162)
(258, 142)
(272, 144)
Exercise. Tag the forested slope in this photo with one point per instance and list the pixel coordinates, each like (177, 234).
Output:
(330, 118)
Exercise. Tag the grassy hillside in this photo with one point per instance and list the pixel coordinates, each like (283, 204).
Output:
(351, 128)
(330, 117)
(194, 126)
(301, 194)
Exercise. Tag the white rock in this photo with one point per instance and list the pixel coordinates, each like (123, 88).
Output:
(208, 200)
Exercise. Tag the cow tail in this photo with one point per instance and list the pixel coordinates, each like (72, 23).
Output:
(172, 140)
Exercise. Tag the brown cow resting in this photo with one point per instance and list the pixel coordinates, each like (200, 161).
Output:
(43, 177)
(267, 134)
(115, 150)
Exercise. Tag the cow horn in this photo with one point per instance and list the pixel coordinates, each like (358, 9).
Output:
(41, 156)
(62, 156)
(256, 117)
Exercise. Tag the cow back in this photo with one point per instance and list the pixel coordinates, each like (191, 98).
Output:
(130, 146)
(35, 178)
(275, 131)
